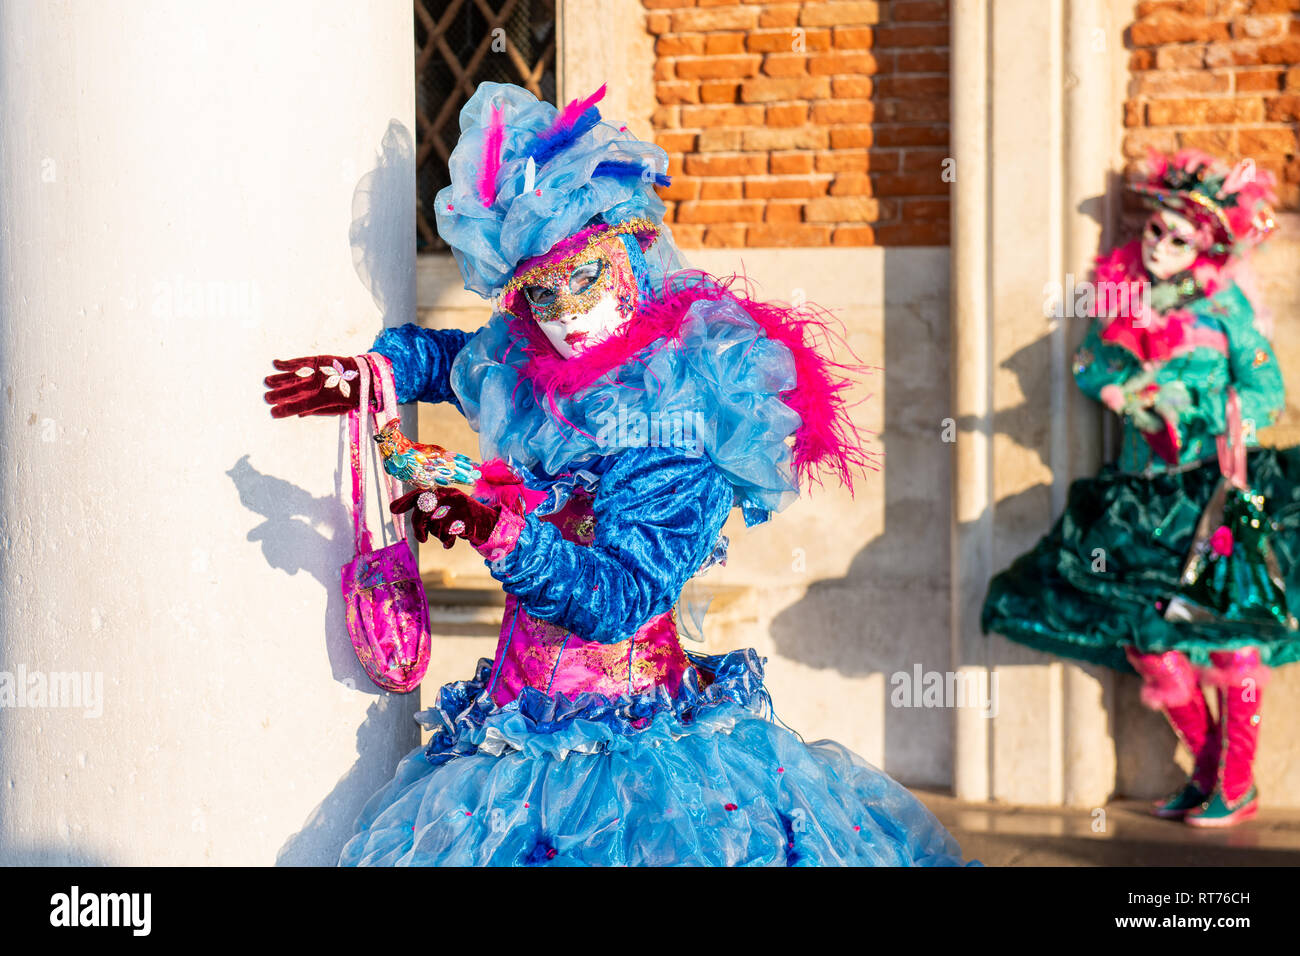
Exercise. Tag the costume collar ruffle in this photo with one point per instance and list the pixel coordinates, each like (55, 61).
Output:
(712, 388)
(1151, 335)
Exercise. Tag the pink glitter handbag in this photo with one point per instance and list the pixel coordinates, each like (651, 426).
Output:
(387, 612)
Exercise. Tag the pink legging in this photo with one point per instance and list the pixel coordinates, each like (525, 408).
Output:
(1224, 753)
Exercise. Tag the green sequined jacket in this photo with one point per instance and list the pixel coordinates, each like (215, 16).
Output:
(1208, 344)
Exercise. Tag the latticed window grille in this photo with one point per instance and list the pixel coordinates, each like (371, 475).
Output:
(458, 45)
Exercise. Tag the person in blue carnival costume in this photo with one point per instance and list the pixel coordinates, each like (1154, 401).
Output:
(592, 737)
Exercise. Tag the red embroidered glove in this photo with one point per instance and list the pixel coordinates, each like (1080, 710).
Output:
(314, 385)
(451, 514)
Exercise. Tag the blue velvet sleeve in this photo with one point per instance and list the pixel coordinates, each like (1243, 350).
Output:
(658, 514)
(421, 361)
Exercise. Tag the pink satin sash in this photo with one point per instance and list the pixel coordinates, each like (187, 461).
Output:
(1231, 447)
(535, 653)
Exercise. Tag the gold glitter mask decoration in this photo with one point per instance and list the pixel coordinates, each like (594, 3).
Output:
(578, 272)
(573, 294)
(572, 284)
(584, 290)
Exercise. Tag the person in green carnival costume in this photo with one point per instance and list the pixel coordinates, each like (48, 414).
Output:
(1173, 562)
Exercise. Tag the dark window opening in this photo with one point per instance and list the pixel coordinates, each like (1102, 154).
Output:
(458, 45)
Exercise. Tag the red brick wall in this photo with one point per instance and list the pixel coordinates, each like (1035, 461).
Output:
(1220, 75)
(840, 142)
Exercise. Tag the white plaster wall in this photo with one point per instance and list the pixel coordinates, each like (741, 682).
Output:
(839, 592)
(189, 190)
(852, 589)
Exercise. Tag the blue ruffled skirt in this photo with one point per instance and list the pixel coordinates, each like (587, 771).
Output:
(699, 778)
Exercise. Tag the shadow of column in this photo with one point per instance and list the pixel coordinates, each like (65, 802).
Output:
(383, 220)
(889, 612)
(895, 594)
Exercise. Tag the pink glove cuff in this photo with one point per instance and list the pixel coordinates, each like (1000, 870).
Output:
(503, 537)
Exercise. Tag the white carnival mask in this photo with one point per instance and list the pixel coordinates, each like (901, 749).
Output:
(1169, 244)
(574, 330)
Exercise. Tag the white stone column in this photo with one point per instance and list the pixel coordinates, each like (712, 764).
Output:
(972, 513)
(188, 190)
(1033, 135)
(1091, 131)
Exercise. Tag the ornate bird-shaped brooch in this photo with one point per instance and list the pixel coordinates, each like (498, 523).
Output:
(423, 466)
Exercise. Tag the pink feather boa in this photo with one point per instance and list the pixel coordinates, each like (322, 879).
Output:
(1229, 670)
(827, 440)
(1124, 264)
(501, 485)
(1213, 274)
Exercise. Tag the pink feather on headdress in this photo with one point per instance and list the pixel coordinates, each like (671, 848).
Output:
(487, 177)
(571, 122)
(1251, 215)
(569, 115)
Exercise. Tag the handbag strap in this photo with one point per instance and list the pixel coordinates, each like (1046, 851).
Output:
(361, 534)
(1232, 450)
(385, 389)
(362, 422)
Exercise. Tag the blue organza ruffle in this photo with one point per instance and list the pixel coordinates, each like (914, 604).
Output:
(646, 781)
(527, 219)
(717, 392)
(465, 720)
(560, 489)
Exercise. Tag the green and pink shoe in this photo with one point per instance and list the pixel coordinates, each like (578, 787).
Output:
(1219, 811)
(1177, 805)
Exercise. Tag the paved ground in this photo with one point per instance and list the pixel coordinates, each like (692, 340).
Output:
(1000, 835)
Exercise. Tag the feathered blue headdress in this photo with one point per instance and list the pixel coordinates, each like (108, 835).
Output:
(526, 175)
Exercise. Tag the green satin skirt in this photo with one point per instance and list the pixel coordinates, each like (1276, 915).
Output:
(1102, 577)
